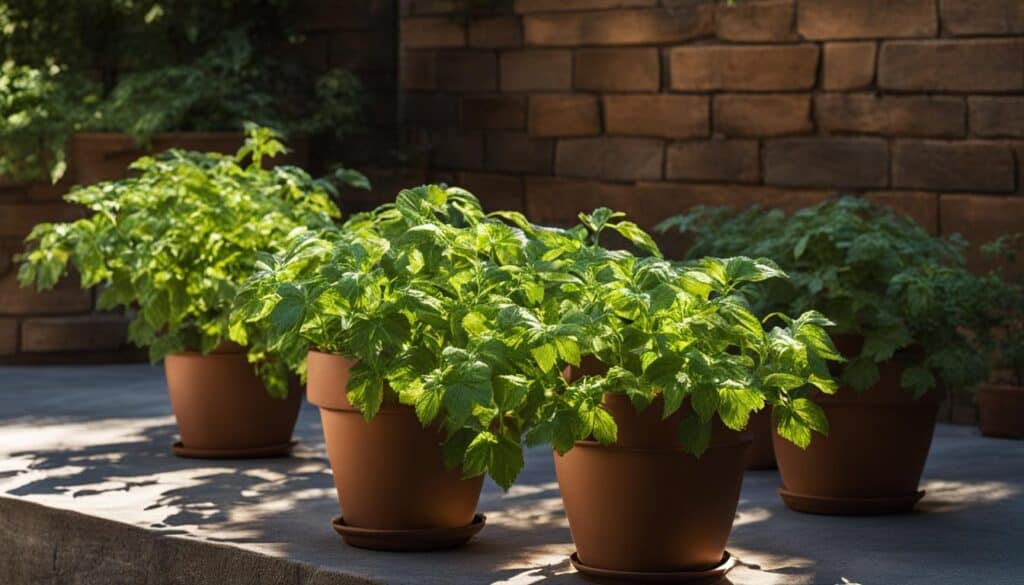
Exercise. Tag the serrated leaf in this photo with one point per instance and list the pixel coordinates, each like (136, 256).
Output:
(861, 373)
(694, 434)
(546, 355)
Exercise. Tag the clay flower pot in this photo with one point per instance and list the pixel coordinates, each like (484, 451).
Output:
(762, 453)
(872, 459)
(1001, 407)
(644, 509)
(223, 409)
(394, 489)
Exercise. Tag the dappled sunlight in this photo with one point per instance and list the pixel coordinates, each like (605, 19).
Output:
(952, 496)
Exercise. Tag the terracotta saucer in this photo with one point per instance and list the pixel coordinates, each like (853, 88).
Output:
(419, 539)
(254, 453)
(612, 576)
(850, 506)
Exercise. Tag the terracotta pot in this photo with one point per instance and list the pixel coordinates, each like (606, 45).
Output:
(223, 408)
(389, 472)
(646, 506)
(105, 156)
(762, 453)
(1001, 407)
(872, 459)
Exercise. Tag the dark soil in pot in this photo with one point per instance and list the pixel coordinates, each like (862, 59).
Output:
(762, 452)
(872, 459)
(389, 473)
(644, 505)
(223, 409)
(1001, 410)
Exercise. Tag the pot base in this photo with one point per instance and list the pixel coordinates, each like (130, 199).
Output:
(850, 506)
(269, 451)
(599, 575)
(422, 539)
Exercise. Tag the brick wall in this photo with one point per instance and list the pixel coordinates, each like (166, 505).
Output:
(654, 106)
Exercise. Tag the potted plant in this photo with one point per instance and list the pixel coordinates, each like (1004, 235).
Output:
(173, 244)
(1001, 400)
(420, 331)
(904, 305)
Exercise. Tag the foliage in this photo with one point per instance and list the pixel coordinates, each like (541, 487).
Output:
(148, 66)
(471, 319)
(879, 275)
(1006, 297)
(175, 242)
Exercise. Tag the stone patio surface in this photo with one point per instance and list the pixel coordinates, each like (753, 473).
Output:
(90, 493)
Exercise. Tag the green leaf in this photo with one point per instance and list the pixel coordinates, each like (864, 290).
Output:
(694, 434)
(797, 420)
(289, 310)
(568, 350)
(918, 379)
(861, 373)
(605, 429)
(546, 356)
(736, 404)
(365, 390)
(784, 381)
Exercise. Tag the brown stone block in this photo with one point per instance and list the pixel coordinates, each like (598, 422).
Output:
(432, 32)
(495, 33)
(495, 192)
(8, 336)
(536, 70)
(726, 161)
(528, 6)
(432, 110)
(493, 112)
(993, 117)
(848, 65)
(619, 27)
(660, 115)
(417, 70)
(767, 20)
(66, 297)
(564, 115)
(515, 152)
(617, 70)
(613, 159)
(827, 162)
(917, 205)
(17, 219)
(960, 66)
(95, 332)
(457, 150)
(982, 17)
(762, 115)
(864, 113)
(981, 219)
(466, 71)
(748, 67)
(953, 166)
(866, 19)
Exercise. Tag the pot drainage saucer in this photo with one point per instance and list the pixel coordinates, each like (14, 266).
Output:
(850, 506)
(419, 539)
(281, 450)
(612, 576)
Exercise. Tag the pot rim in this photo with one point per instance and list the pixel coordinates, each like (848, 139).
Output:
(745, 437)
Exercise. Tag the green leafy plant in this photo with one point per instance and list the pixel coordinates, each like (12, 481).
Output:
(878, 275)
(471, 319)
(175, 242)
(1005, 296)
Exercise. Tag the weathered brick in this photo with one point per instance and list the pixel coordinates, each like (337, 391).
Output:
(614, 159)
(953, 166)
(564, 115)
(528, 6)
(962, 65)
(432, 6)
(659, 115)
(981, 219)
(848, 65)
(495, 33)
(920, 206)
(494, 191)
(982, 17)
(996, 116)
(762, 115)
(416, 70)
(827, 162)
(727, 161)
(862, 113)
(457, 150)
(619, 27)
(617, 70)
(516, 152)
(866, 19)
(466, 71)
(767, 20)
(760, 67)
(490, 112)
(17, 219)
(434, 110)
(95, 332)
(8, 336)
(432, 32)
(64, 298)
(536, 70)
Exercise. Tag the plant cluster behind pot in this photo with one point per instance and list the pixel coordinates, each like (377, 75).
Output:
(906, 311)
(173, 244)
(1001, 399)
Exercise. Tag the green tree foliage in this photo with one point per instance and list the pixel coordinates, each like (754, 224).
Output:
(471, 319)
(175, 241)
(878, 275)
